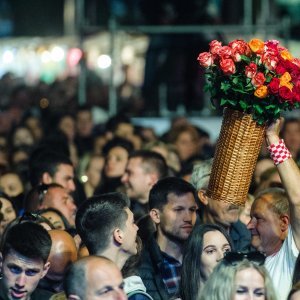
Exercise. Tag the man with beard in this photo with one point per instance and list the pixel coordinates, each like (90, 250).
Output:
(219, 212)
(275, 216)
(173, 210)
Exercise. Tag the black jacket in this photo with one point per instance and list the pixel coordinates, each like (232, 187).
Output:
(149, 270)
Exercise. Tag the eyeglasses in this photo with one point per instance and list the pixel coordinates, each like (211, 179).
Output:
(42, 191)
(28, 216)
(234, 258)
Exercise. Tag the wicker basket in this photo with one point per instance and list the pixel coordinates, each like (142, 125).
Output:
(235, 158)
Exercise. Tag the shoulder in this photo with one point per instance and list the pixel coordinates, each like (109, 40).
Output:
(40, 294)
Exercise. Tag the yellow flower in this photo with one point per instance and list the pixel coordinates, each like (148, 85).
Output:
(285, 80)
(285, 54)
(256, 45)
(261, 92)
(289, 85)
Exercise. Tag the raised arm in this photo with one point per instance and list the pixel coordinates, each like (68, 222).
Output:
(290, 177)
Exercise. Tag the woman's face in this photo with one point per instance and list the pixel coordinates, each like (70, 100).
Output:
(55, 219)
(116, 161)
(215, 245)
(295, 296)
(249, 284)
(23, 136)
(11, 184)
(94, 171)
(8, 212)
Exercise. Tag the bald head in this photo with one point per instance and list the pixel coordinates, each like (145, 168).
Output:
(62, 254)
(94, 275)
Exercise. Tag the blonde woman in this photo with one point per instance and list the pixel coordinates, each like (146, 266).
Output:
(239, 276)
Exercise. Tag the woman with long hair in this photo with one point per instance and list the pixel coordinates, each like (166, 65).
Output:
(204, 249)
(239, 276)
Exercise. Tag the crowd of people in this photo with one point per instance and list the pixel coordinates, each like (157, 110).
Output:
(113, 211)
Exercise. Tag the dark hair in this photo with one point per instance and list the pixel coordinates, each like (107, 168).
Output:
(117, 142)
(43, 160)
(192, 276)
(113, 123)
(97, 217)
(28, 239)
(35, 196)
(151, 162)
(158, 196)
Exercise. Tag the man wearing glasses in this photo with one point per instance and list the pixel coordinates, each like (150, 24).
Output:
(275, 216)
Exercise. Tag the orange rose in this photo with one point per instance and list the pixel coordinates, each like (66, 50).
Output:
(261, 92)
(285, 78)
(257, 45)
(285, 54)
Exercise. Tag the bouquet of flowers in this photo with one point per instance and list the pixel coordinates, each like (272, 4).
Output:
(258, 78)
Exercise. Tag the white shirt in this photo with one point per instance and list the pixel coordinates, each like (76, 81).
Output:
(281, 266)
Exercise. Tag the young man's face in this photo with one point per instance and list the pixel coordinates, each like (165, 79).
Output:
(21, 275)
(130, 232)
(178, 217)
(65, 177)
(136, 180)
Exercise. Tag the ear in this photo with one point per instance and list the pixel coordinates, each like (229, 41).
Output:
(152, 179)
(203, 197)
(46, 178)
(284, 222)
(118, 236)
(155, 215)
(46, 268)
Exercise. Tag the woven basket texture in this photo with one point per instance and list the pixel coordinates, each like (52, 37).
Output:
(235, 158)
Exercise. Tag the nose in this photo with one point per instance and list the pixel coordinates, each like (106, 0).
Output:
(124, 178)
(251, 224)
(136, 227)
(71, 186)
(21, 280)
(220, 255)
(121, 295)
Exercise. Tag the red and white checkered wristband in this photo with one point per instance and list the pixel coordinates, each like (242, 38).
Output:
(279, 152)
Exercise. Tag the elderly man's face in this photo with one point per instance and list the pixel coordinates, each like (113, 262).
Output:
(21, 275)
(105, 282)
(223, 213)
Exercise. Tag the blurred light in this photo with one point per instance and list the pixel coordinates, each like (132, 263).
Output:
(57, 53)
(46, 57)
(84, 178)
(104, 61)
(7, 57)
(74, 56)
(44, 103)
(127, 55)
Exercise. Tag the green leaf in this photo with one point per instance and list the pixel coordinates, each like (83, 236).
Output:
(243, 104)
(245, 58)
(258, 108)
(225, 86)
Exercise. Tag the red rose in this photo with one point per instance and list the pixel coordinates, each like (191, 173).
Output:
(251, 70)
(205, 59)
(214, 47)
(227, 66)
(296, 92)
(281, 67)
(285, 93)
(274, 85)
(258, 79)
(225, 52)
(271, 47)
(270, 61)
(239, 47)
